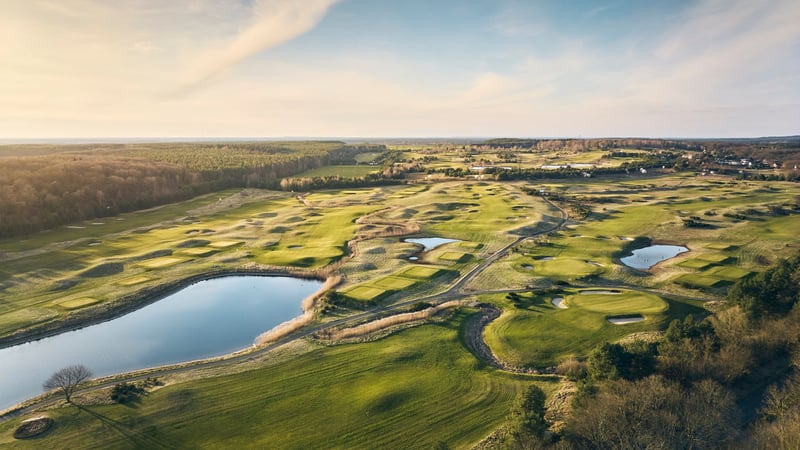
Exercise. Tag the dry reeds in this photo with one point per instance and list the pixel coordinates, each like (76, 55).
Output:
(386, 322)
(295, 324)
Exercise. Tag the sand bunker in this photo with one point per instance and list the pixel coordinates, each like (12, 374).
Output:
(625, 320)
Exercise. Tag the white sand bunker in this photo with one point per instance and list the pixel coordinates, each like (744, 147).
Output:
(558, 302)
(625, 320)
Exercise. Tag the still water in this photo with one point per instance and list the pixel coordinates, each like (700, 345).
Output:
(209, 318)
(645, 258)
(431, 242)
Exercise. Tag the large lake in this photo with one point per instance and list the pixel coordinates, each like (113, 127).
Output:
(645, 258)
(209, 318)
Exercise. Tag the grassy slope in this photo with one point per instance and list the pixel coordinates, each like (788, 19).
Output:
(409, 390)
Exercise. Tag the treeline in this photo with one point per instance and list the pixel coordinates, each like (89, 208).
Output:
(588, 144)
(513, 173)
(729, 380)
(41, 192)
(336, 182)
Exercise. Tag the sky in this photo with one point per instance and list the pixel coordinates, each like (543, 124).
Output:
(399, 68)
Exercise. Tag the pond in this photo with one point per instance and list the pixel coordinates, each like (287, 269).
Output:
(209, 318)
(645, 258)
(430, 243)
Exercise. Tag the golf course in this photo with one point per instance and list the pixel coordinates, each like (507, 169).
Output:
(384, 339)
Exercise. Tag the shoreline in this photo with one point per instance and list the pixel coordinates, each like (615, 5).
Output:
(131, 302)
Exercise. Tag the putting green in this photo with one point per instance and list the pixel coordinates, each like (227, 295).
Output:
(78, 302)
(626, 302)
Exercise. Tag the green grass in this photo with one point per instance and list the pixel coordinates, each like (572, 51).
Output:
(409, 391)
(198, 252)
(455, 257)
(160, 263)
(564, 268)
(366, 293)
(728, 273)
(394, 283)
(134, 281)
(420, 272)
(697, 263)
(368, 157)
(78, 302)
(695, 281)
(537, 334)
(224, 244)
(715, 258)
(340, 171)
(627, 302)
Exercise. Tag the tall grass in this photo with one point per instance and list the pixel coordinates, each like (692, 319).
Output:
(386, 322)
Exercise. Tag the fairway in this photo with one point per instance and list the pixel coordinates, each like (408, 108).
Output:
(347, 396)
(420, 272)
(78, 302)
(395, 283)
(160, 263)
(367, 293)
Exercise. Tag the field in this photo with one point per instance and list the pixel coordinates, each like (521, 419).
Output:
(422, 378)
(347, 396)
(339, 171)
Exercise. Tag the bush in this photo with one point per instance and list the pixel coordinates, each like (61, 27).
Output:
(123, 393)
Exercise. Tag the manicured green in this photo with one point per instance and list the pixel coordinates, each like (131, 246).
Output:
(627, 302)
(339, 171)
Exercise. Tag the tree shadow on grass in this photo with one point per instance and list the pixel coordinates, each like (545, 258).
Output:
(138, 438)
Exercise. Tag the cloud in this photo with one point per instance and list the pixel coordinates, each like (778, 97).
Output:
(274, 22)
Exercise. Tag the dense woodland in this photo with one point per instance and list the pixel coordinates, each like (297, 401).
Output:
(728, 380)
(47, 190)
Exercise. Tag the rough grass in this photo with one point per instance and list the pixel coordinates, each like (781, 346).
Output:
(224, 244)
(348, 396)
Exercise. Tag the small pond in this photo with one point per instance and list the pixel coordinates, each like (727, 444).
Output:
(645, 258)
(209, 318)
(430, 243)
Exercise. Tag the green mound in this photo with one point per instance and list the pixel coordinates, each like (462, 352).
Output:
(104, 270)
(618, 304)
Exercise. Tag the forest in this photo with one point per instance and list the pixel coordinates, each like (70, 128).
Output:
(73, 183)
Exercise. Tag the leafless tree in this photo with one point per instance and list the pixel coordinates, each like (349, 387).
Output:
(67, 380)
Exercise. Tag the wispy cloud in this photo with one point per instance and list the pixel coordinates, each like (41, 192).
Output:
(274, 22)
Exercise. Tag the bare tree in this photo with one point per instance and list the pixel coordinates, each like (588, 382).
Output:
(67, 380)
